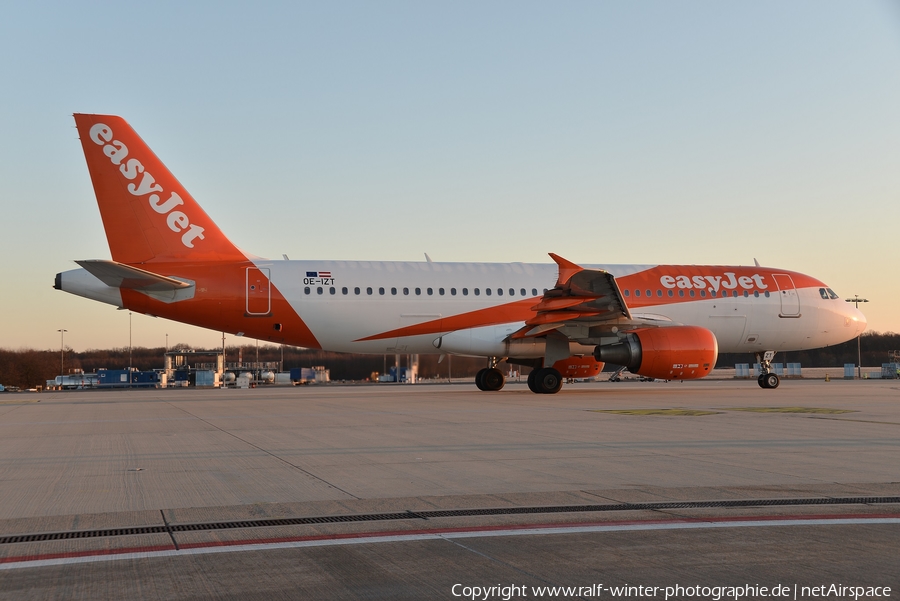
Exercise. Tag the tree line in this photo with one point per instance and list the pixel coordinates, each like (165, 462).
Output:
(28, 368)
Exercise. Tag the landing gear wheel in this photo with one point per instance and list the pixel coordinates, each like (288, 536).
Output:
(479, 379)
(532, 381)
(492, 379)
(769, 380)
(548, 381)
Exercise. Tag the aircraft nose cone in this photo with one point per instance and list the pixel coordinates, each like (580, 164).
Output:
(861, 322)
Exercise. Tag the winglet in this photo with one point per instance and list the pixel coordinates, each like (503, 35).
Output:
(566, 269)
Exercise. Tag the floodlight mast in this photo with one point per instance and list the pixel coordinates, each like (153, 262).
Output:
(62, 334)
(856, 300)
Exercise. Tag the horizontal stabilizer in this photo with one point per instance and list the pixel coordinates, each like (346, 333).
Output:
(160, 287)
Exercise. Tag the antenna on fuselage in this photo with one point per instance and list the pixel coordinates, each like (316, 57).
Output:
(428, 259)
(755, 262)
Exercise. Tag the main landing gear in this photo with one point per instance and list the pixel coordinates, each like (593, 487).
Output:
(767, 378)
(490, 378)
(545, 380)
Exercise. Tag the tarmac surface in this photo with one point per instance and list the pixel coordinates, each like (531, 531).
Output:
(404, 492)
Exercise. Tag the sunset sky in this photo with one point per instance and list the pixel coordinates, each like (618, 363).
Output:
(606, 132)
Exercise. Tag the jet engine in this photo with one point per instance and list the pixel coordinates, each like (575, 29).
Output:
(670, 353)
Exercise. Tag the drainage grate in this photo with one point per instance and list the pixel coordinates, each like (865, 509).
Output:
(30, 538)
(446, 513)
(329, 519)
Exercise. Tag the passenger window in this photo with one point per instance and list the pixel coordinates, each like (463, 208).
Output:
(406, 291)
(368, 291)
(393, 291)
(756, 293)
(381, 291)
(453, 292)
(418, 291)
(319, 290)
(465, 292)
(487, 291)
(692, 293)
(649, 293)
(345, 291)
(703, 293)
(681, 293)
(671, 294)
(627, 293)
(499, 291)
(430, 291)
(332, 290)
(306, 290)
(512, 291)
(523, 292)
(441, 291)
(659, 293)
(534, 292)
(637, 292)
(746, 294)
(767, 294)
(477, 292)
(734, 293)
(356, 291)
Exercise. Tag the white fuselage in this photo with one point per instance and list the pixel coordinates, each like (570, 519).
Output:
(341, 311)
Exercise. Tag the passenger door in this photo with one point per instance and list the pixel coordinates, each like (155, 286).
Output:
(787, 293)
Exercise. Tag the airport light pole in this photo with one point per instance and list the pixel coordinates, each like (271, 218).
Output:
(856, 300)
(62, 351)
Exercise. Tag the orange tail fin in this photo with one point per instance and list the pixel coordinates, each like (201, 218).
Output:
(148, 216)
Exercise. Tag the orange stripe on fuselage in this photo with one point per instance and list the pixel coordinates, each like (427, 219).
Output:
(505, 313)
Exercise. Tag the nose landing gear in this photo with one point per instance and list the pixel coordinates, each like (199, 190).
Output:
(767, 378)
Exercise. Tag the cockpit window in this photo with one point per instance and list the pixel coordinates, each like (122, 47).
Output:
(832, 294)
(823, 293)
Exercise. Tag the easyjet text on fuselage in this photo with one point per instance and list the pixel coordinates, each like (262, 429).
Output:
(714, 283)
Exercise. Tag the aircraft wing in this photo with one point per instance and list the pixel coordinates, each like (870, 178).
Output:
(118, 275)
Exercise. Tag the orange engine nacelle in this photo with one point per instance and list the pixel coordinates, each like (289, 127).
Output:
(673, 353)
(578, 366)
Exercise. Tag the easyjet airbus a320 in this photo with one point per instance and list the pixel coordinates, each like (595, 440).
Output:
(564, 320)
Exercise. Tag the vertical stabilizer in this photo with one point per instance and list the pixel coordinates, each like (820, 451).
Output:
(148, 216)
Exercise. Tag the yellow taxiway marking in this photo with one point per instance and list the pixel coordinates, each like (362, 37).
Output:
(788, 410)
(655, 411)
